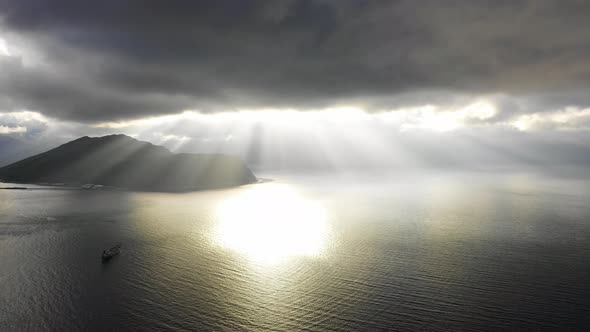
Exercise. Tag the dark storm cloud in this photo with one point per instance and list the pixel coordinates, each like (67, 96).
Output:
(108, 60)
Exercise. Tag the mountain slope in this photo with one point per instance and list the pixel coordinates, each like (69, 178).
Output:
(122, 161)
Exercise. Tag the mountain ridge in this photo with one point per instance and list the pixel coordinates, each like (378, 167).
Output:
(122, 161)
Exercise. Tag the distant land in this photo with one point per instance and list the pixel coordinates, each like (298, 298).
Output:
(123, 162)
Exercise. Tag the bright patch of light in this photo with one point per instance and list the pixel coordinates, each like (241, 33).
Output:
(271, 222)
(174, 138)
(480, 110)
(23, 116)
(12, 130)
(433, 118)
(143, 122)
(4, 48)
(428, 117)
(173, 142)
(566, 119)
(14, 45)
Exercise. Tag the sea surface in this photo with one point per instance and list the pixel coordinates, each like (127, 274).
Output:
(442, 252)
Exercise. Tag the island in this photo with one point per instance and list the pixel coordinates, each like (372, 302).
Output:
(120, 161)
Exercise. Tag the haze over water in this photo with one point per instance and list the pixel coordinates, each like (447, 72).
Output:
(436, 252)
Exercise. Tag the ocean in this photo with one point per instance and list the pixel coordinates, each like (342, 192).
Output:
(441, 252)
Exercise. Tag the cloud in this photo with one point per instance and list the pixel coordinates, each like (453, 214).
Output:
(341, 139)
(430, 117)
(3, 48)
(461, 83)
(108, 61)
(570, 118)
(27, 123)
(12, 130)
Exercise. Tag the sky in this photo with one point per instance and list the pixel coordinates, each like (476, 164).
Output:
(457, 83)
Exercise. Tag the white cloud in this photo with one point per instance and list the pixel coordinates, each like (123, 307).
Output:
(31, 123)
(25, 115)
(570, 118)
(12, 130)
(434, 118)
(4, 48)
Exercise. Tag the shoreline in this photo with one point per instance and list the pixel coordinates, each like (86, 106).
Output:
(95, 187)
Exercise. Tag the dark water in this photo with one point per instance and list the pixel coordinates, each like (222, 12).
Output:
(409, 253)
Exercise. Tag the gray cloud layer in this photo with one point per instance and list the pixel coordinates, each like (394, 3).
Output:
(111, 60)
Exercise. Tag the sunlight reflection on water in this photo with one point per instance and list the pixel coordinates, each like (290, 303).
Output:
(269, 223)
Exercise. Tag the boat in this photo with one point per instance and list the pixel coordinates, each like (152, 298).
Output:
(108, 254)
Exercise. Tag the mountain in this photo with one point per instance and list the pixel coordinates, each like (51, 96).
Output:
(122, 161)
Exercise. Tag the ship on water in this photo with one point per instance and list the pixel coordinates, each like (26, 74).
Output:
(108, 254)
